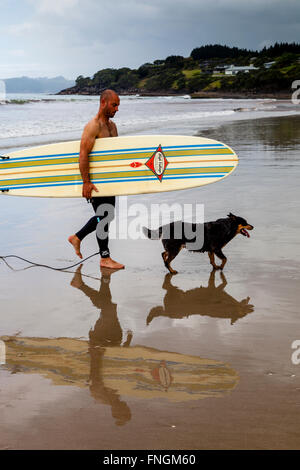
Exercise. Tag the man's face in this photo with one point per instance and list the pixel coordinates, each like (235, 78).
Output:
(112, 106)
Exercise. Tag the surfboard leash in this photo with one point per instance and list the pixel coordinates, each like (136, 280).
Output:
(46, 265)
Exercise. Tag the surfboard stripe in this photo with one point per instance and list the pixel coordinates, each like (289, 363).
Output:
(133, 174)
(45, 161)
(184, 162)
(114, 181)
(127, 150)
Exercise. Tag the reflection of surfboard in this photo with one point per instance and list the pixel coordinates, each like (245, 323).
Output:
(162, 375)
(137, 371)
(118, 166)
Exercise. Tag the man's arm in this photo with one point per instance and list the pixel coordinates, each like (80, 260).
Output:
(86, 145)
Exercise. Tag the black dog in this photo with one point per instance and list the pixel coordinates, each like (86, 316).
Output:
(215, 235)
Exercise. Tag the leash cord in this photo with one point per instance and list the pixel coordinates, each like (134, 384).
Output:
(45, 265)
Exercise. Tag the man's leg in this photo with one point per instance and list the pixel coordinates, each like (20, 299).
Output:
(107, 211)
(76, 239)
(91, 226)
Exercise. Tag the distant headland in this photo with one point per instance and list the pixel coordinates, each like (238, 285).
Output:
(209, 71)
(36, 85)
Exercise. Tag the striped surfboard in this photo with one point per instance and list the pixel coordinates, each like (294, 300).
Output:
(118, 166)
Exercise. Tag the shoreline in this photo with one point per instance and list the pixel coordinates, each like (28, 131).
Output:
(282, 95)
(243, 95)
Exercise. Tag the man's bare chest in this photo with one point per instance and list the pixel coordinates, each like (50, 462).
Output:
(106, 130)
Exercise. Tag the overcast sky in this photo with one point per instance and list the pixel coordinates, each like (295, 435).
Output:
(79, 37)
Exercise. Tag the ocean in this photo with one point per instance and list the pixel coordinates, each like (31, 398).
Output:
(34, 119)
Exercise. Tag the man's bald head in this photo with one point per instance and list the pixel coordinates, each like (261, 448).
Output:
(107, 95)
(109, 103)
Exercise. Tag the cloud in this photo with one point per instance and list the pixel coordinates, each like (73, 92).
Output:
(20, 29)
(72, 38)
(58, 7)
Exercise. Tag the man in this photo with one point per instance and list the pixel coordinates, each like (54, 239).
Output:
(100, 126)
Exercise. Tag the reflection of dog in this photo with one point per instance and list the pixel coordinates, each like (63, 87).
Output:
(216, 235)
(209, 301)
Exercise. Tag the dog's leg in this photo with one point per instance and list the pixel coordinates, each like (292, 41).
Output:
(170, 256)
(221, 255)
(212, 259)
(164, 256)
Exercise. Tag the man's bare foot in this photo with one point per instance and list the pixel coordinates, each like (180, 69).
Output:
(110, 264)
(74, 240)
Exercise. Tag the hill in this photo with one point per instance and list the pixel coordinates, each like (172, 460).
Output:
(36, 85)
(208, 69)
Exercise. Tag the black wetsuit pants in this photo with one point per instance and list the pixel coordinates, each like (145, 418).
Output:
(104, 208)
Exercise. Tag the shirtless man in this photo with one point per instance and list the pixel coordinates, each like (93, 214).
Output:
(99, 127)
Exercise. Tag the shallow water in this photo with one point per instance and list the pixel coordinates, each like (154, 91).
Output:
(140, 359)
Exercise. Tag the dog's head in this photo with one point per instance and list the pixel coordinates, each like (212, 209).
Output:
(242, 225)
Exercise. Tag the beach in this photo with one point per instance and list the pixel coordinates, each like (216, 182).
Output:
(139, 359)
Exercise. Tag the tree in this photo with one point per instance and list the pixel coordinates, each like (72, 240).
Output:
(174, 61)
(105, 78)
(128, 79)
(82, 82)
(197, 82)
(285, 60)
(211, 51)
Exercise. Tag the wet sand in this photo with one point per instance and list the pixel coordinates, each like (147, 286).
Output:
(140, 359)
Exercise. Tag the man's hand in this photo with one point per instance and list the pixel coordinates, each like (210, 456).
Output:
(87, 189)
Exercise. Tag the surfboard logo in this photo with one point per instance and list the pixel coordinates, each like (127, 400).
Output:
(157, 163)
(135, 164)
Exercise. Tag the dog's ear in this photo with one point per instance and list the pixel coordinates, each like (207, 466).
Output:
(231, 215)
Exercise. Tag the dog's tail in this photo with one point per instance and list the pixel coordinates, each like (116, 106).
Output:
(152, 234)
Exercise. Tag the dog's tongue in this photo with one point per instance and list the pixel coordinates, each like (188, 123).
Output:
(245, 233)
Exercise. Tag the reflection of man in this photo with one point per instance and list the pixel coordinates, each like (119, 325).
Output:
(100, 126)
(212, 301)
(107, 332)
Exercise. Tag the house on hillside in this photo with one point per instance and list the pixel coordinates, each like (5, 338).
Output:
(220, 69)
(233, 70)
(268, 65)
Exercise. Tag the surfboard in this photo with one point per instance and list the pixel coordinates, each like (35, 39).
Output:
(118, 166)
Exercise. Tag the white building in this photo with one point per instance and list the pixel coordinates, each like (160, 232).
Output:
(233, 70)
(267, 65)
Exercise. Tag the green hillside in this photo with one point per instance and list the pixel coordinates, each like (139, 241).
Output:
(272, 69)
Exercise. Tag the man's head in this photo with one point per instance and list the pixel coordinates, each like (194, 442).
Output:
(109, 103)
